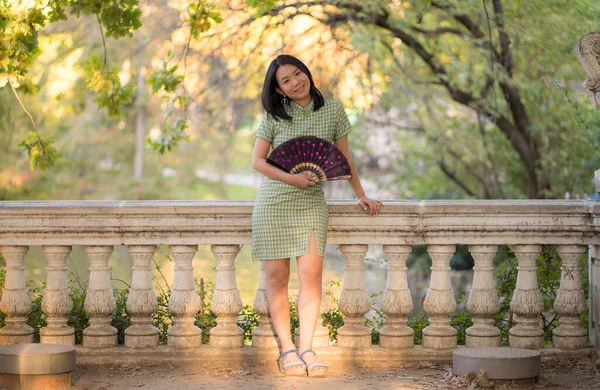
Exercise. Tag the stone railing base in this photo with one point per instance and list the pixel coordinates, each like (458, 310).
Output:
(247, 355)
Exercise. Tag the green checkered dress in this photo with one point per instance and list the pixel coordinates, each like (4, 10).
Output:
(284, 215)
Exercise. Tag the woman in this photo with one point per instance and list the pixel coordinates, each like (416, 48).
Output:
(290, 217)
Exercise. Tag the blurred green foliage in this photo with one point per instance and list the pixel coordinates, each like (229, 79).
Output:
(204, 101)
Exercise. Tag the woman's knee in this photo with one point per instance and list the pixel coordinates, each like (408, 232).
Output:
(311, 276)
(277, 273)
(313, 281)
(278, 281)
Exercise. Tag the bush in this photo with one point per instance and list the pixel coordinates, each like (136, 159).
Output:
(79, 319)
(120, 318)
(247, 320)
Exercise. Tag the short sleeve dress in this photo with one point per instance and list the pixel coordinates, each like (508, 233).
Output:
(284, 216)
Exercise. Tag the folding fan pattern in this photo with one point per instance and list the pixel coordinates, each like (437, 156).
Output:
(312, 156)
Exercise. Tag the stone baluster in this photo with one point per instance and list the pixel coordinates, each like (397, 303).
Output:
(526, 302)
(483, 300)
(100, 301)
(15, 301)
(226, 300)
(354, 301)
(397, 301)
(263, 336)
(570, 300)
(594, 293)
(141, 302)
(184, 302)
(57, 303)
(439, 302)
(321, 337)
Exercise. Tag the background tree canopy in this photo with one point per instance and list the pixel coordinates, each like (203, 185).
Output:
(159, 99)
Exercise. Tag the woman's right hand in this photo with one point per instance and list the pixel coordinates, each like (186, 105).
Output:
(300, 180)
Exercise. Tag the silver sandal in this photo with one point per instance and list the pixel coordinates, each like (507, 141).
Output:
(295, 367)
(315, 369)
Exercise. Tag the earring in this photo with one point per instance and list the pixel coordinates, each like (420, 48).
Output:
(285, 100)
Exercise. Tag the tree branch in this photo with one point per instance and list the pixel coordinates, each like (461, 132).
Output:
(12, 87)
(525, 146)
(438, 31)
(472, 170)
(518, 133)
(504, 57)
(473, 28)
(452, 175)
(494, 170)
(103, 41)
(444, 167)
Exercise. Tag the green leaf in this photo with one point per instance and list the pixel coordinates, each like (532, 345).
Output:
(106, 82)
(262, 6)
(42, 154)
(165, 78)
(170, 136)
(201, 17)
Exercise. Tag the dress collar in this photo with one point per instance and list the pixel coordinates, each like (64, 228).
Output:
(298, 109)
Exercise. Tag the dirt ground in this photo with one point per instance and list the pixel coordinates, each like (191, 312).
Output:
(556, 373)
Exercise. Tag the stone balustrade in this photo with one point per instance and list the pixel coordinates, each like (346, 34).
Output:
(183, 225)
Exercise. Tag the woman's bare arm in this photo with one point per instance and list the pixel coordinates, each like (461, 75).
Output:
(259, 162)
(363, 199)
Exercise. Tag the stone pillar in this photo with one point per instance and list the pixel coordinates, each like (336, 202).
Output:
(321, 337)
(483, 300)
(263, 336)
(526, 302)
(184, 302)
(226, 301)
(397, 302)
(15, 301)
(570, 300)
(141, 302)
(100, 301)
(439, 301)
(354, 302)
(57, 303)
(594, 296)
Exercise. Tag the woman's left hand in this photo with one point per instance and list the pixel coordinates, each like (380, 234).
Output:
(373, 204)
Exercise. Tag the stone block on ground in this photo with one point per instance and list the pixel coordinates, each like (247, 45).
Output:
(36, 366)
(497, 362)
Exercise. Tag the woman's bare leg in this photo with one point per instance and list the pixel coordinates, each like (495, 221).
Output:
(278, 276)
(310, 273)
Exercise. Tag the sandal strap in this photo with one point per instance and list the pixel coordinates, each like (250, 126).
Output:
(308, 350)
(284, 354)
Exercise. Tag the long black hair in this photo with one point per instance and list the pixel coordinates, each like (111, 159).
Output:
(271, 99)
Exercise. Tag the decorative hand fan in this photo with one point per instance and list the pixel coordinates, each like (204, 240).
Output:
(312, 156)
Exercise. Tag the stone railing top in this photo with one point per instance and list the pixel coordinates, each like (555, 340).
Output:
(229, 222)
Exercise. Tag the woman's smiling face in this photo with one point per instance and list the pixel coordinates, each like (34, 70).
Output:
(293, 83)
